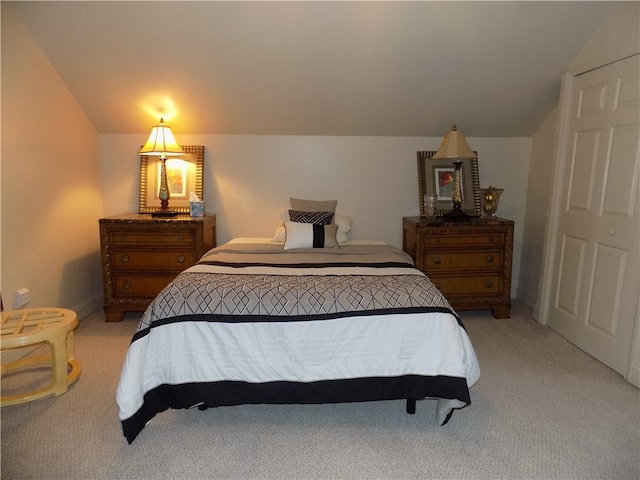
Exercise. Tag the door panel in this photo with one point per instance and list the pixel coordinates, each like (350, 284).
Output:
(571, 263)
(596, 275)
(606, 289)
(620, 189)
(583, 169)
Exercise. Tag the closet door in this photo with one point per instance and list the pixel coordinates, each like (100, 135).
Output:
(594, 281)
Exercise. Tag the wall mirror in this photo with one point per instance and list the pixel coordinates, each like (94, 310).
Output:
(184, 175)
(436, 176)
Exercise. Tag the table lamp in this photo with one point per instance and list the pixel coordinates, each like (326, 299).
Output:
(161, 143)
(455, 147)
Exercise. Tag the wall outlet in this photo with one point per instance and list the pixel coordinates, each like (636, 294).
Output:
(21, 298)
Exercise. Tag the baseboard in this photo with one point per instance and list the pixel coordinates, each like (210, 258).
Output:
(528, 298)
(83, 309)
(536, 313)
(86, 308)
(633, 376)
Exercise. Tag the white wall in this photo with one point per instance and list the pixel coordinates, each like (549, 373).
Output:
(618, 37)
(51, 196)
(537, 211)
(248, 179)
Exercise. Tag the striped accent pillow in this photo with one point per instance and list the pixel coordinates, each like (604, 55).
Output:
(317, 218)
(309, 235)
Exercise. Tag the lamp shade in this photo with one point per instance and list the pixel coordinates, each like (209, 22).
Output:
(454, 145)
(161, 142)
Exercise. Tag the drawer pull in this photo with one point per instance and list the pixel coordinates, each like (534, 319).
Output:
(437, 285)
(181, 259)
(126, 285)
(490, 239)
(180, 237)
(437, 260)
(125, 258)
(489, 284)
(489, 258)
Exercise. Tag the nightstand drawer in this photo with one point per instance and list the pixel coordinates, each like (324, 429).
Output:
(441, 261)
(137, 286)
(464, 240)
(152, 238)
(468, 285)
(174, 260)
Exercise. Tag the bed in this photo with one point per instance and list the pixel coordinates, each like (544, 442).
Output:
(253, 322)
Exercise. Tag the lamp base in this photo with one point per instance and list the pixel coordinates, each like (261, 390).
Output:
(164, 213)
(456, 215)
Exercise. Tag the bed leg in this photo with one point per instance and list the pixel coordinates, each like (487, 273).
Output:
(411, 406)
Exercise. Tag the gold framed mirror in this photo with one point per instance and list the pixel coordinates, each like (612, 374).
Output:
(436, 176)
(184, 175)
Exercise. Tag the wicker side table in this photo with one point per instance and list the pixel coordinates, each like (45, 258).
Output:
(33, 326)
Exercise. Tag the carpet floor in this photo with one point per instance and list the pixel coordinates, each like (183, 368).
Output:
(542, 409)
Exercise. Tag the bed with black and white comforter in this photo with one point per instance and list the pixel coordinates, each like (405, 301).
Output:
(252, 323)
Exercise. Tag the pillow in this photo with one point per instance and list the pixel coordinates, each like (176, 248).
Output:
(317, 218)
(313, 205)
(344, 226)
(343, 222)
(308, 235)
(280, 235)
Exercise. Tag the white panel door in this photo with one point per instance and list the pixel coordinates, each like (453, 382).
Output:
(595, 280)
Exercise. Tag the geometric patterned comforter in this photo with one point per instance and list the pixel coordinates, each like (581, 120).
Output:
(252, 323)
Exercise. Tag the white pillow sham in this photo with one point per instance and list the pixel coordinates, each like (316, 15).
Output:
(308, 235)
(280, 235)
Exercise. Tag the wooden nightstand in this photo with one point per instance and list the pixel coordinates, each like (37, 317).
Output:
(469, 261)
(142, 254)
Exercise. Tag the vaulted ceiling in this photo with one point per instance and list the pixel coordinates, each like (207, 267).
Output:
(314, 68)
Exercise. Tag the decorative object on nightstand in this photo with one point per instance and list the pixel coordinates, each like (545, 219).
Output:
(454, 147)
(141, 254)
(431, 208)
(186, 173)
(490, 199)
(432, 180)
(468, 260)
(161, 143)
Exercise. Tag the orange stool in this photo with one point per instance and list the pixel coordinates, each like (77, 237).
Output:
(32, 326)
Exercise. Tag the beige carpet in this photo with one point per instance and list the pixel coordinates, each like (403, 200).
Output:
(542, 409)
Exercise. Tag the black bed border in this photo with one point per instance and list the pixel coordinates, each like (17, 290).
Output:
(229, 393)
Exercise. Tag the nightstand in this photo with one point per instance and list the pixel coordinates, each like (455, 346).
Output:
(141, 254)
(469, 260)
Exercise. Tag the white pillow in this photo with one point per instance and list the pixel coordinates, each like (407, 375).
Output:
(344, 226)
(281, 234)
(308, 235)
(343, 222)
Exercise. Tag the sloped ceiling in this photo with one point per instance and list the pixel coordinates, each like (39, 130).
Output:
(314, 68)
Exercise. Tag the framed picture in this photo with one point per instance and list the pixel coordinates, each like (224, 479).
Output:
(184, 175)
(436, 176)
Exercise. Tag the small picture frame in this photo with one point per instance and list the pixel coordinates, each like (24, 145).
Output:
(436, 176)
(443, 182)
(184, 175)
